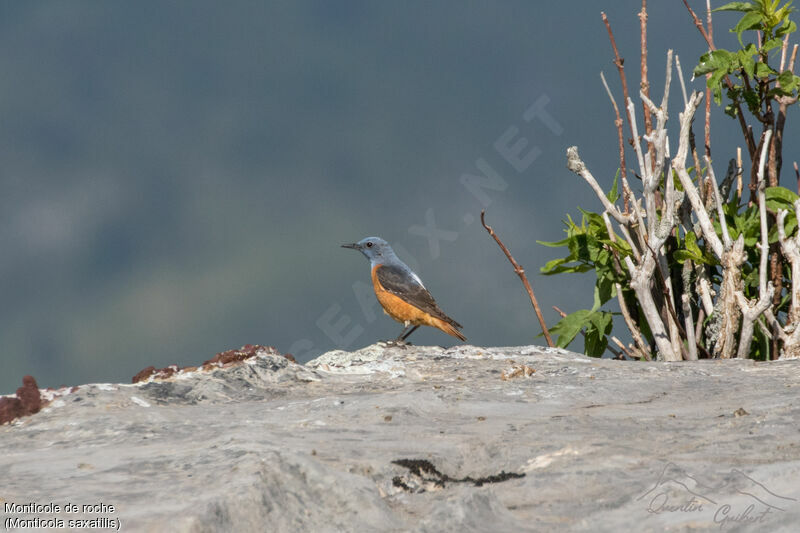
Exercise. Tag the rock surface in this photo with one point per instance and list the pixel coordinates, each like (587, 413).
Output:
(418, 439)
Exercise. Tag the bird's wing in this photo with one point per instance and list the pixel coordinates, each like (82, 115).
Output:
(400, 283)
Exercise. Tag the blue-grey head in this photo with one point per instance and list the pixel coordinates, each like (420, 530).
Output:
(375, 249)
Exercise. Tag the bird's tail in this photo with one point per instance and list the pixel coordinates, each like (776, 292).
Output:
(450, 330)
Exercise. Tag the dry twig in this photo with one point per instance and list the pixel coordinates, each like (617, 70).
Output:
(645, 85)
(748, 133)
(626, 191)
(521, 273)
(619, 62)
(797, 175)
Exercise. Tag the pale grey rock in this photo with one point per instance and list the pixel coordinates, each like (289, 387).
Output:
(269, 445)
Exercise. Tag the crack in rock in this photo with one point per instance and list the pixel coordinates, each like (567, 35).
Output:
(420, 468)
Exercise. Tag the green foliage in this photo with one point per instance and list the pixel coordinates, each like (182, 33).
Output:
(756, 81)
(597, 323)
(750, 82)
(591, 248)
(692, 252)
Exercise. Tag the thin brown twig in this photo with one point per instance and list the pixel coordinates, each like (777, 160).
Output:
(619, 62)
(697, 22)
(645, 84)
(698, 171)
(797, 173)
(698, 330)
(776, 145)
(621, 137)
(708, 22)
(617, 354)
(748, 133)
(707, 139)
(521, 273)
(710, 29)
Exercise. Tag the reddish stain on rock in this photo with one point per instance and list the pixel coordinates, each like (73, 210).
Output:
(222, 359)
(143, 374)
(245, 352)
(27, 401)
(155, 373)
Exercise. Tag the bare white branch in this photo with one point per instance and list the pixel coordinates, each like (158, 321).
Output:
(688, 325)
(680, 78)
(576, 165)
(751, 310)
(762, 211)
(726, 237)
(727, 309)
(679, 164)
(705, 290)
(643, 348)
(667, 81)
(791, 249)
(644, 163)
(628, 238)
(640, 282)
(608, 90)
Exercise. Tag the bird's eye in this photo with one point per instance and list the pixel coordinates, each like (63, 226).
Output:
(369, 245)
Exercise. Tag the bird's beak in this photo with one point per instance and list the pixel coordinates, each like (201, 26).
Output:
(354, 246)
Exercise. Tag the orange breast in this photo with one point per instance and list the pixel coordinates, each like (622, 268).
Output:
(403, 312)
(396, 307)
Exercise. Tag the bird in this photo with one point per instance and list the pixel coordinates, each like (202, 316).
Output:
(401, 292)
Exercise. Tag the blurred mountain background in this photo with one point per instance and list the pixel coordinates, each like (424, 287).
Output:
(176, 178)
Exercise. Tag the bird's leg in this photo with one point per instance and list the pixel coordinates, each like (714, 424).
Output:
(399, 339)
(404, 335)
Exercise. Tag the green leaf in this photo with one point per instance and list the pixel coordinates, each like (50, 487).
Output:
(551, 265)
(780, 194)
(596, 222)
(597, 333)
(715, 84)
(788, 27)
(568, 269)
(743, 7)
(596, 344)
(569, 326)
(681, 256)
(787, 81)
(585, 247)
(752, 20)
(693, 251)
(603, 290)
(691, 245)
(554, 244)
(790, 226)
(614, 194)
(771, 44)
(601, 320)
(620, 245)
(715, 61)
(745, 58)
(764, 71)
